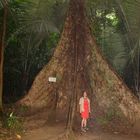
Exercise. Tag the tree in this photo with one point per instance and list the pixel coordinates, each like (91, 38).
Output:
(29, 44)
(128, 13)
(2, 44)
(124, 41)
(79, 65)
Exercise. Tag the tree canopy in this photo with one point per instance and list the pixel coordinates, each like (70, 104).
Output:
(34, 28)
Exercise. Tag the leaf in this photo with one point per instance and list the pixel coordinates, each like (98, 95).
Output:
(11, 114)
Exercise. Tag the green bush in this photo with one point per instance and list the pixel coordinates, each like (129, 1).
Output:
(14, 123)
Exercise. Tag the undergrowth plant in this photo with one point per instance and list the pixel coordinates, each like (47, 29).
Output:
(13, 123)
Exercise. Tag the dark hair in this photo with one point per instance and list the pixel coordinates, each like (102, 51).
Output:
(84, 92)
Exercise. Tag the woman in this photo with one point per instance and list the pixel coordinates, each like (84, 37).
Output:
(84, 111)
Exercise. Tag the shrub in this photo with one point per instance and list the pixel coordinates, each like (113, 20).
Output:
(14, 123)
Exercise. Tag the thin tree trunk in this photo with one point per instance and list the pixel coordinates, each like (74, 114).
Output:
(2, 43)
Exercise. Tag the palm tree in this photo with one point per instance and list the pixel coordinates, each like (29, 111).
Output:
(121, 39)
(128, 12)
(34, 23)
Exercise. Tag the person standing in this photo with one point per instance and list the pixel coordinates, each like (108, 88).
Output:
(84, 103)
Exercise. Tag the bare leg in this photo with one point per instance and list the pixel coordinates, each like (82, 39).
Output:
(83, 125)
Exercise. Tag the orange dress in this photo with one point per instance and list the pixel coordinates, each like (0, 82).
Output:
(85, 114)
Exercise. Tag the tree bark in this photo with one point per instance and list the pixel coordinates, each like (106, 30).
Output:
(2, 41)
(79, 65)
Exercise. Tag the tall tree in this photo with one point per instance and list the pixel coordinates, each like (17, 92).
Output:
(128, 12)
(79, 65)
(2, 44)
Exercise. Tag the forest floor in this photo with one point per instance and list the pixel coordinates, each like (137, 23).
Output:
(37, 128)
(53, 132)
(40, 130)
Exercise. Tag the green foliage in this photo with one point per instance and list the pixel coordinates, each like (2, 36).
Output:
(22, 63)
(31, 38)
(13, 123)
(105, 26)
(116, 27)
(34, 28)
(128, 11)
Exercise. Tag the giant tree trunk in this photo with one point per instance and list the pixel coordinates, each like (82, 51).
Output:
(78, 65)
(2, 40)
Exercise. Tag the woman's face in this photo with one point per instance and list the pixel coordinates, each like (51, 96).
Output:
(85, 94)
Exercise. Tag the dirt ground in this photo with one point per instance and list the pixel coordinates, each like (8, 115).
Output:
(50, 133)
(40, 130)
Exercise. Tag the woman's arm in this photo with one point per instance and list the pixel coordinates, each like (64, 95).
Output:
(81, 105)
